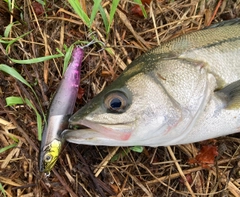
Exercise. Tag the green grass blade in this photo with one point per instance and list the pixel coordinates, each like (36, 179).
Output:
(15, 74)
(9, 2)
(14, 100)
(4, 41)
(120, 154)
(80, 12)
(104, 17)
(15, 139)
(43, 3)
(2, 190)
(67, 58)
(39, 119)
(37, 60)
(112, 13)
(137, 149)
(139, 2)
(11, 71)
(8, 29)
(7, 147)
(95, 8)
(15, 40)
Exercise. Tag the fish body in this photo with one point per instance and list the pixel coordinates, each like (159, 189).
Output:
(184, 91)
(61, 108)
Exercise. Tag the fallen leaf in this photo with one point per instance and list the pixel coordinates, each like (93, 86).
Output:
(80, 93)
(205, 156)
(38, 8)
(136, 10)
(188, 178)
(146, 2)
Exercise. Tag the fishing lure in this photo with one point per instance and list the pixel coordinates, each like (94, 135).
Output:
(60, 110)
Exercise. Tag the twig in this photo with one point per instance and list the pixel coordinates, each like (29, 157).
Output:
(63, 182)
(180, 171)
(125, 20)
(149, 194)
(176, 175)
(214, 13)
(105, 161)
(97, 182)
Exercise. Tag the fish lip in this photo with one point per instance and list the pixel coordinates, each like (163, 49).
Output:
(115, 131)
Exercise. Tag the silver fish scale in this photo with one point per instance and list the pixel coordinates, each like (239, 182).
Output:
(217, 57)
(214, 122)
(175, 76)
(199, 40)
(153, 93)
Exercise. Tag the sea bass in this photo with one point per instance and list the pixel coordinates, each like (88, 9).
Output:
(184, 91)
(61, 108)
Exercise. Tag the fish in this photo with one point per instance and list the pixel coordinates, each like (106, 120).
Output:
(184, 91)
(60, 110)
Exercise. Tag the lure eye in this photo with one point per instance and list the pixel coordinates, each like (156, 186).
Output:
(116, 102)
(48, 158)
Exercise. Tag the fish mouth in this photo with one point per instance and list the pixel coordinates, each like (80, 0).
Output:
(89, 129)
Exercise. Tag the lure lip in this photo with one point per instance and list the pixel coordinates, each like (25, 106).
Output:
(54, 148)
(51, 148)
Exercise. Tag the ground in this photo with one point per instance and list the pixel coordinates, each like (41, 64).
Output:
(208, 168)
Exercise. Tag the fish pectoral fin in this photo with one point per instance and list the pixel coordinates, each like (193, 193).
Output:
(232, 94)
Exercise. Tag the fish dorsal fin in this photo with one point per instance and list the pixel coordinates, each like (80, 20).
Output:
(232, 92)
(235, 21)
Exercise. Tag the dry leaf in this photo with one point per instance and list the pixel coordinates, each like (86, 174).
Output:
(205, 156)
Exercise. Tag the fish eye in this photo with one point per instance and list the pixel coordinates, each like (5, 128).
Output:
(48, 158)
(116, 102)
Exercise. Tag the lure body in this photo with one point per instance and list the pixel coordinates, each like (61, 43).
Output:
(60, 110)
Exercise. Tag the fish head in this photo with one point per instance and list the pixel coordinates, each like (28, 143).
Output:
(133, 110)
(49, 155)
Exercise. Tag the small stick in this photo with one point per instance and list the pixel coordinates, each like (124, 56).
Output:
(180, 171)
(215, 12)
